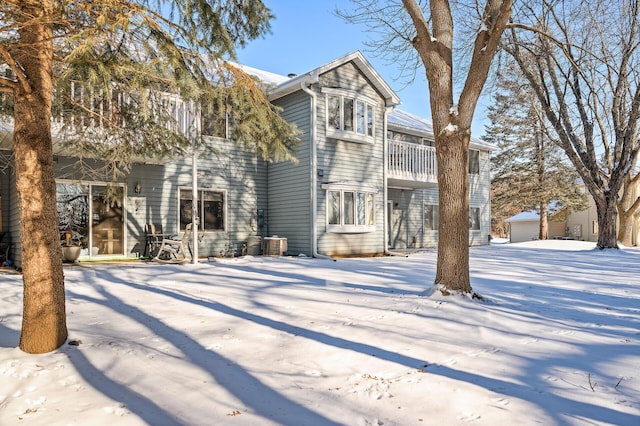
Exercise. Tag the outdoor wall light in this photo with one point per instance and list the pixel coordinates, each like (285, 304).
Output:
(137, 188)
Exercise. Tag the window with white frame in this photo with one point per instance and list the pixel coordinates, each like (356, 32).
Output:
(431, 217)
(474, 218)
(350, 116)
(211, 208)
(350, 208)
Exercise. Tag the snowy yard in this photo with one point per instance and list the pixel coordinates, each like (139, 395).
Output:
(299, 341)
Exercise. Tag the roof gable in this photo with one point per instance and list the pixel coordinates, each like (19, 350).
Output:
(294, 84)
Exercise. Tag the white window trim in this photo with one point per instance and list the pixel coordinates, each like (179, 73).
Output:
(349, 187)
(125, 211)
(225, 210)
(349, 135)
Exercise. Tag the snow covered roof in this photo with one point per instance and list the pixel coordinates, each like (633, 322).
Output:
(271, 79)
(527, 216)
(403, 120)
(533, 215)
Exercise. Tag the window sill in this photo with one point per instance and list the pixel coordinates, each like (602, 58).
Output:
(349, 136)
(350, 229)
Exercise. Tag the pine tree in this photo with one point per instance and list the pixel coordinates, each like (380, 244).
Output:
(114, 66)
(529, 169)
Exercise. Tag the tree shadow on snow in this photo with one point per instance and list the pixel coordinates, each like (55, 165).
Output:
(252, 392)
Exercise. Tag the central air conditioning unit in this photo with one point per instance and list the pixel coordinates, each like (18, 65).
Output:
(274, 246)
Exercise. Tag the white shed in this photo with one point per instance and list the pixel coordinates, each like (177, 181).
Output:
(525, 226)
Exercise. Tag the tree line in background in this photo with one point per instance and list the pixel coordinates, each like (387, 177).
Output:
(529, 169)
(581, 63)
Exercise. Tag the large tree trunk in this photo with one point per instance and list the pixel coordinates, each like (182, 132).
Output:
(453, 231)
(44, 319)
(607, 218)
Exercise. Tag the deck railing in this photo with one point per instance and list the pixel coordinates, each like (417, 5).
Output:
(412, 162)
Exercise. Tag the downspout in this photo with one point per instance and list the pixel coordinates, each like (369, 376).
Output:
(385, 197)
(314, 166)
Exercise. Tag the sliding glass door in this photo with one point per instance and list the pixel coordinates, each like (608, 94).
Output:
(91, 216)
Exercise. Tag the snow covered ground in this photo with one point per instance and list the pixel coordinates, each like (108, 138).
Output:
(299, 341)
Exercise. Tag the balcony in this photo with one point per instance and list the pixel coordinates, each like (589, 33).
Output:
(411, 165)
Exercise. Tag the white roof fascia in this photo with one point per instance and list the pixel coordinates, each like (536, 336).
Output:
(292, 85)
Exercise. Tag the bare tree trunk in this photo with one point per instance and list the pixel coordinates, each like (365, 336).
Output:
(44, 319)
(453, 230)
(607, 218)
(543, 233)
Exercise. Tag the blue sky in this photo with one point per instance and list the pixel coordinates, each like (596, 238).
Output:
(307, 34)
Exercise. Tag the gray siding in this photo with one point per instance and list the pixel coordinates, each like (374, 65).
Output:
(406, 222)
(9, 201)
(289, 184)
(407, 215)
(235, 172)
(480, 196)
(345, 161)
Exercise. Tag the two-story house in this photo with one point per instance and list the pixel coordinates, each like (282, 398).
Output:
(365, 181)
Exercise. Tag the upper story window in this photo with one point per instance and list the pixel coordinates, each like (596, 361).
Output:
(350, 208)
(349, 116)
(474, 162)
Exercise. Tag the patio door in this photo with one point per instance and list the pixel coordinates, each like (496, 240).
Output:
(107, 221)
(92, 217)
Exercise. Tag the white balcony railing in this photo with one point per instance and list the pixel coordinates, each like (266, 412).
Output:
(411, 162)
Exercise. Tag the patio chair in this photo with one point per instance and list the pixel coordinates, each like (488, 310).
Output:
(174, 250)
(154, 239)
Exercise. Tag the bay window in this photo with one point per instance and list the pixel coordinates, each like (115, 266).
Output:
(349, 116)
(350, 208)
